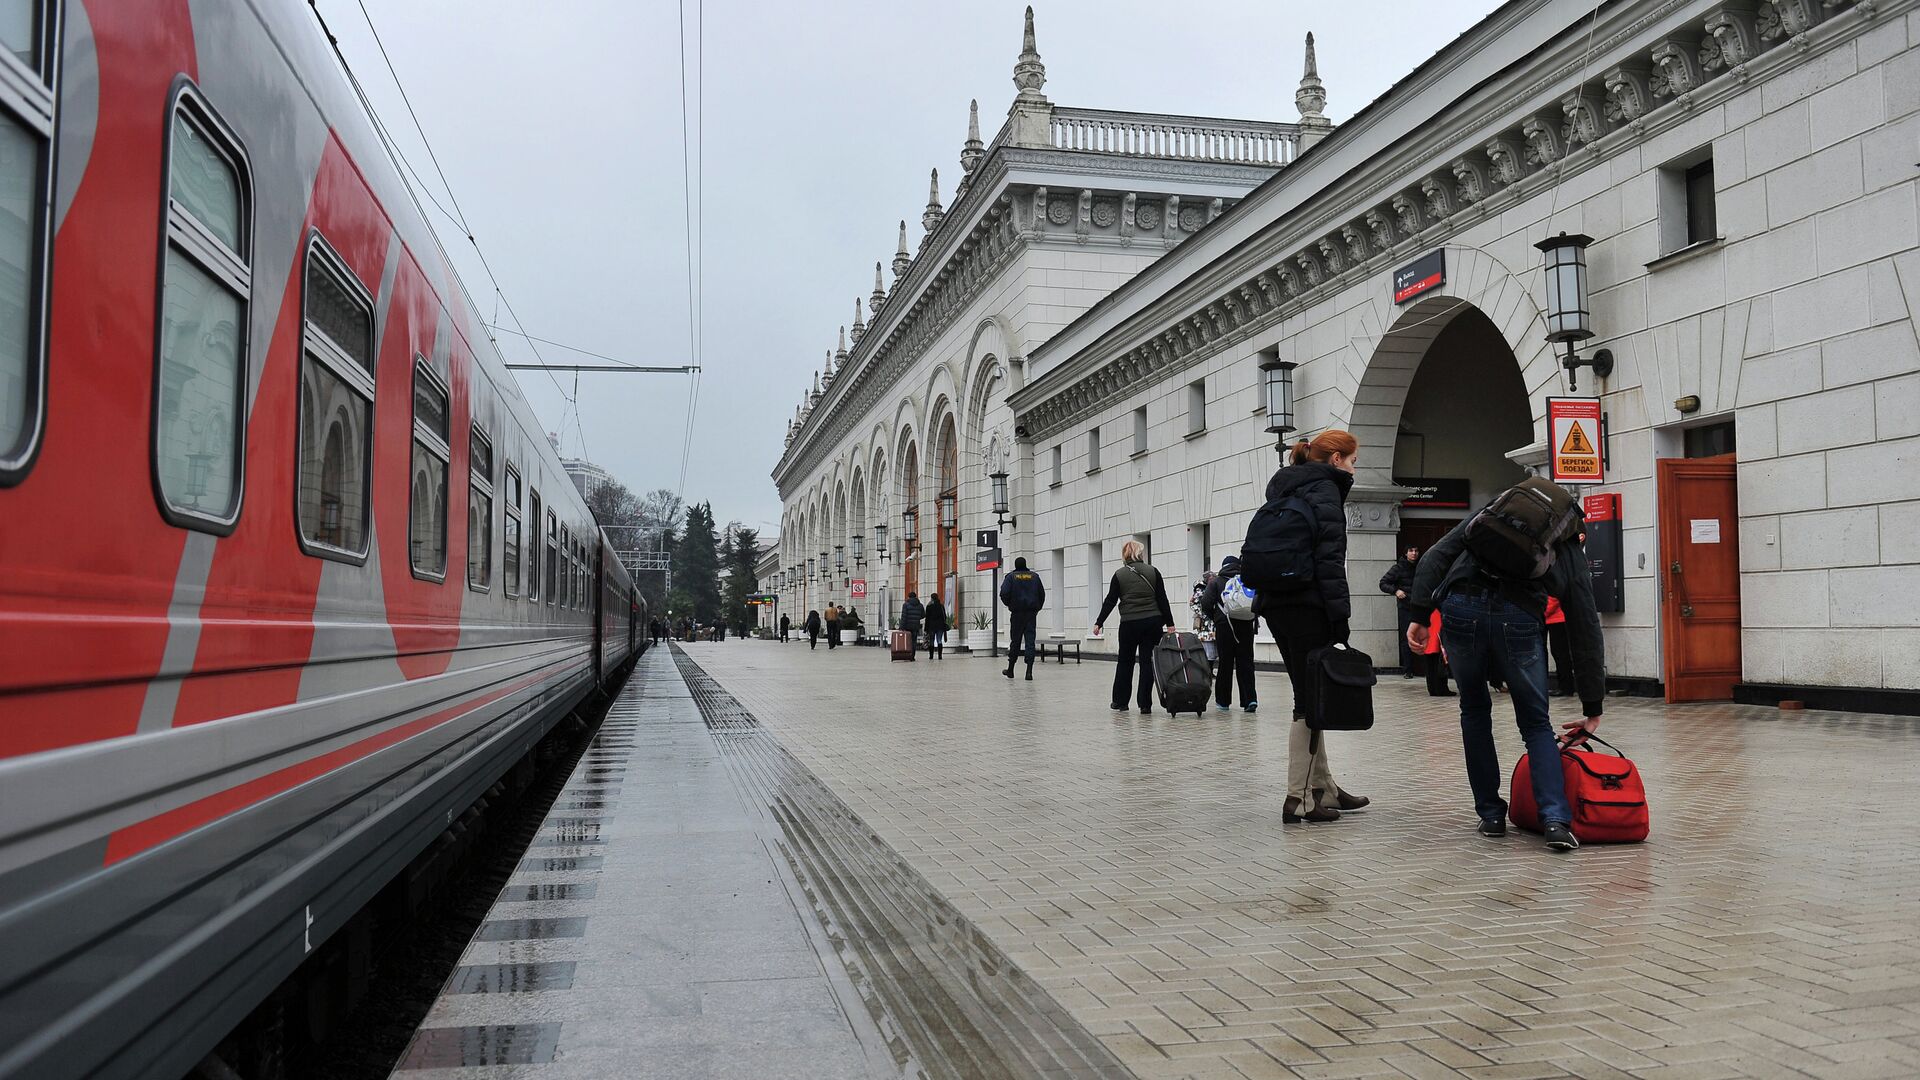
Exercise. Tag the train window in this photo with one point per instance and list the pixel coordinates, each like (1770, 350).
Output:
(510, 534)
(336, 407)
(28, 34)
(205, 284)
(427, 526)
(479, 510)
(553, 557)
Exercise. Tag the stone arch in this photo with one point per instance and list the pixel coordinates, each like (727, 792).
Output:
(1390, 342)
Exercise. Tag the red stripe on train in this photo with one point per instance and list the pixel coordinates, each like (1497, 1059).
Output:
(133, 839)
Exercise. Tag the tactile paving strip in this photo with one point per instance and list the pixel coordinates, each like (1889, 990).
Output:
(950, 999)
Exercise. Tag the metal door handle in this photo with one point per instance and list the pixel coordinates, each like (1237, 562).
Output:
(1686, 611)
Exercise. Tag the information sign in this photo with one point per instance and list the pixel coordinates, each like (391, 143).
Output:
(1605, 552)
(1573, 440)
(857, 588)
(987, 559)
(986, 538)
(1429, 271)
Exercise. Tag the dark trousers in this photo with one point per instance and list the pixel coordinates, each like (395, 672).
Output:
(813, 638)
(1486, 637)
(833, 635)
(1233, 639)
(1022, 626)
(1562, 649)
(1407, 658)
(1299, 630)
(1137, 639)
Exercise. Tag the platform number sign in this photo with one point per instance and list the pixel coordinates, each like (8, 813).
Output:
(1574, 440)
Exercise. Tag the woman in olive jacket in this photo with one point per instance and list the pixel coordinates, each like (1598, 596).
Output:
(1141, 594)
(1321, 473)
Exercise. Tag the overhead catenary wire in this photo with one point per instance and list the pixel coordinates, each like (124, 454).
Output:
(691, 158)
(416, 187)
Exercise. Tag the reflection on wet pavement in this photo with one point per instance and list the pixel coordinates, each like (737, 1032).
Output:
(488, 1044)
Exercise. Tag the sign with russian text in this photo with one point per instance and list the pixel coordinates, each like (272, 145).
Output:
(1606, 554)
(857, 588)
(1573, 441)
(1439, 493)
(987, 559)
(1429, 271)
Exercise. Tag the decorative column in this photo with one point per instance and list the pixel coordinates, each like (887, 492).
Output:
(1373, 529)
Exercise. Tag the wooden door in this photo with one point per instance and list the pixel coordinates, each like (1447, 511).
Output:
(1700, 577)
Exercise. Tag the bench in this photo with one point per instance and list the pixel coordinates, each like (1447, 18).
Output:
(1060, 643)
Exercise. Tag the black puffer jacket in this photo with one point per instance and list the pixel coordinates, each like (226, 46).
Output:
(1325, 489)
(936, 616)
(911, 614)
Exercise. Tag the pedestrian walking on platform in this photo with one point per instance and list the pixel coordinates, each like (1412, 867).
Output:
(1304, 523)
(936, 628)
(833, 626)
(813, 630)
(913, 615)
(1397, 581)
(1491, 578)
(1024, 594)
(1232, 609)
(786, 626)
(1141, 595)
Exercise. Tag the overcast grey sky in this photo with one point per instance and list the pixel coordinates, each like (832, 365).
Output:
(559, 126)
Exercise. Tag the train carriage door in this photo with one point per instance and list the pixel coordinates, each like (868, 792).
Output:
(1700, 577)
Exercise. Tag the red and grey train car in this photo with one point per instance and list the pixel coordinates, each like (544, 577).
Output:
(289, 573)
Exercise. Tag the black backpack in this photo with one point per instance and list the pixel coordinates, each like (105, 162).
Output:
(1514, 537)
(1277, 556)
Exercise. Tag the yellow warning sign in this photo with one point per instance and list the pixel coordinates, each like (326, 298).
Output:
(1576, 442)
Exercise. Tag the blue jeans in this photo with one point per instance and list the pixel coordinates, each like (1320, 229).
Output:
(1487, 637)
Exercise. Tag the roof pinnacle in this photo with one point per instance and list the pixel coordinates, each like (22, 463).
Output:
(1311, 98)
(879, 292)
(930, 220)
(1029, 74)
(974, 150)
(859, 324)
(901, 258)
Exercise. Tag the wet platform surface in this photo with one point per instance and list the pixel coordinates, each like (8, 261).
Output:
(650, 931)
(1135, 868)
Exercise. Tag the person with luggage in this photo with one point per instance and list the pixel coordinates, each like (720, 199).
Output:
(936, 627)
(1141, 594)
(913, 616)
(1296, 557)
(1397, 580)
(813, 630)
(1228, 604)
(1491, 578)
(1024, 594)
(786, 626)
(833, 626)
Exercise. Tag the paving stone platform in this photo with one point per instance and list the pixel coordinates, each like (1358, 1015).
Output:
(1136, 869)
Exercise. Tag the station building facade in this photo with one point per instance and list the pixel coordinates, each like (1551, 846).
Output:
(1746, 173)
(908, 416)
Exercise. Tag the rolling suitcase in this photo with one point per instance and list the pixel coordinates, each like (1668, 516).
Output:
(1604, 790)
(902, 643)
(1182, 673)
(1339, 689)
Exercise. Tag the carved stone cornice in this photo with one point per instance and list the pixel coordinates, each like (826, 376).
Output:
(979, 234)
(1520, 161)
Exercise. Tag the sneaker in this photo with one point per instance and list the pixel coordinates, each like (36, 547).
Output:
(1146, 710)
(1561, 838)
(1119, 708)
(1217, 707)
(1492, 830)
(1406, 675)
(1250, 706)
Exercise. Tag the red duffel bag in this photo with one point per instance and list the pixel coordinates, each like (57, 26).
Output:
(1609, 802)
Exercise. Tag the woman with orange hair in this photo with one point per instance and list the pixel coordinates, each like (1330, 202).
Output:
(1303, 619)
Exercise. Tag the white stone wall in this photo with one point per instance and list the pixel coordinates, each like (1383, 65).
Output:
(1798, 325)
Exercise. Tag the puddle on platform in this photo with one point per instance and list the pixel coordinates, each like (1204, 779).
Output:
(489, 1044)
(511, 978)
(572, 926)
(564, 863)
(571, 890)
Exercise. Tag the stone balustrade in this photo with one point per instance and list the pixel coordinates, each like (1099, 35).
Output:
(1185, 138)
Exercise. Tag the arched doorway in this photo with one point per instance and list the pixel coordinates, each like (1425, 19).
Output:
(1465, 409)
(910, 504)
(947, 483)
